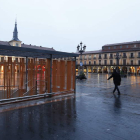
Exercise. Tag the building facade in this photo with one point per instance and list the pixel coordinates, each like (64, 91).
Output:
(104, 60)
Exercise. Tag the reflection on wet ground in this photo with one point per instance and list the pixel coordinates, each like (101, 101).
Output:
(94, 113)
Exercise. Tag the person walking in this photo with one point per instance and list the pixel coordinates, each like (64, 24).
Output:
(117, 80)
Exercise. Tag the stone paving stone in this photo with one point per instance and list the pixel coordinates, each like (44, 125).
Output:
(94, 113)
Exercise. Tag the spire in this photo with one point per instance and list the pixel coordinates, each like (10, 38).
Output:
(15, 33)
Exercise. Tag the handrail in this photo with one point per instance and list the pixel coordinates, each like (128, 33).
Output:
(9, 86)
(29, 81)
(14, 92)
(28, 90)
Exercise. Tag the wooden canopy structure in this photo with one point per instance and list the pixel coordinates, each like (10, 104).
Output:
(27, 72)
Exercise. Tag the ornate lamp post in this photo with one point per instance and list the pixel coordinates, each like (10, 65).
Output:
(117, 57)
(81, 49)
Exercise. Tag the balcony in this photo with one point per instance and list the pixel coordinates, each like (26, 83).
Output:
(124, 56)
(89, 58)
(131, 57)
(105, 57)
(111, 57)
(138, 57)
(85, 58)
(100, 57)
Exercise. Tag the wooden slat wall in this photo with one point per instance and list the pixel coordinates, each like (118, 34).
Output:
(31, 76)
(58, 76)
(54, 76)
(41, 78)
(47, 71)
(69, 75)
(62, 75)
(13, 73)
(73, 74)
(21, 79)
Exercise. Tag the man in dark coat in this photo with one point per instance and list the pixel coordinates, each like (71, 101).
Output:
(117, 80)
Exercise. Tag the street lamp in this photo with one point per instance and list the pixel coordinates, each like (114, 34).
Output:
(81, 49)
(117, 57)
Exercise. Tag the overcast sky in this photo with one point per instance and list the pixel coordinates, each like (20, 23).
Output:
(63, 24)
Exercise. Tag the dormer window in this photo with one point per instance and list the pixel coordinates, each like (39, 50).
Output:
(17, 44)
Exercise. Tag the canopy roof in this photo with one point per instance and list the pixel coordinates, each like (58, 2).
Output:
(35, 53)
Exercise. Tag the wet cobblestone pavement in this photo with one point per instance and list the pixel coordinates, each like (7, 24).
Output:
(94, 113)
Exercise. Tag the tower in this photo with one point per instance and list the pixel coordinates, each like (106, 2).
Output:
(15, 41)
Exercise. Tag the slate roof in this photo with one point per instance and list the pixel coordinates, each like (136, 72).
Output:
(92, 52)
(112, 51)
(123, 43)
(28, 46)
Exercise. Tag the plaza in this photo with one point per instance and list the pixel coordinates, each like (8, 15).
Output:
(93, 113)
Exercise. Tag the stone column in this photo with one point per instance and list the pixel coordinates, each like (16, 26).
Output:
(102, 70)
(78, 69)
(92, 69)
(135, 70)
(127, 70)
(108, 69)
(87, 70)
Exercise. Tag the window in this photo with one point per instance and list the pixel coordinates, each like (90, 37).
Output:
(139, 62)
(16, 44)
(131, 55)
(131, 62)
(94, 56)
(99, 62)
(94, 62)
(108, 47)
(111, 62)
(120, 46)
(16, 60)
(85, 62)
(124, 61)
(89, 62)
(124, 55)
(111, 55)
(127, 46)
(99, 56)
(85, 56)
(138, 54)
(114, 47)
(2, 59)
(105, 55)
(135, 46)
(89, 57)
(105, 62)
